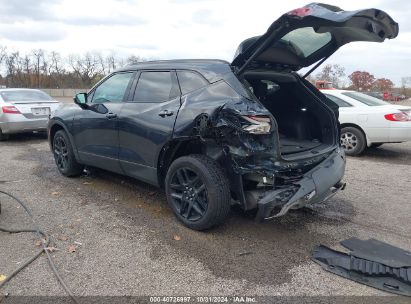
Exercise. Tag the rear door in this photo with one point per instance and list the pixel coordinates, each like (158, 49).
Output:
(304, 36)
(146, 122)
(96, 126)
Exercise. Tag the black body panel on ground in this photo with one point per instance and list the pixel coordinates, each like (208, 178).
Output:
(371, 262)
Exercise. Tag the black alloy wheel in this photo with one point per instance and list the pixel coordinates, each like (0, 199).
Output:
(198, 191)
(60, 152)
(63, 155)
(189, 194)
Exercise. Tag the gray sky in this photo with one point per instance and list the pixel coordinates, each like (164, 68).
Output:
(169, 29)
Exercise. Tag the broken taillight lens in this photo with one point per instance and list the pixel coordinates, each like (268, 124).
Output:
(257, 124)
(401, 116)
(10, 110)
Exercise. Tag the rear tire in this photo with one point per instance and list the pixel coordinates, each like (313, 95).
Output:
(198, 191)
(64, 156)
(353, 141)
(3, 137)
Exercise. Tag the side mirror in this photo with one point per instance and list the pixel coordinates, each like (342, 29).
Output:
(81, 99)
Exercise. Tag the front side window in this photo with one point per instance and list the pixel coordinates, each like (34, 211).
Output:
(341, 103)
(156, 87)
(113, 89)
(190, 81)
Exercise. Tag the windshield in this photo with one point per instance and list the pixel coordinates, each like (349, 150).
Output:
(24, 95)
(306, 41)
(365, 99)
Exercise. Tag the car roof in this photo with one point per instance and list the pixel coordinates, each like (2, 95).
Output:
(211, 69)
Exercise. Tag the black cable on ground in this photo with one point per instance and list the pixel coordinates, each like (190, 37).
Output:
(40, 234)
(30, 260)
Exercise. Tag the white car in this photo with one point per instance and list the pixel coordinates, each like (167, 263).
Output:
(367, 121)
(24, 110)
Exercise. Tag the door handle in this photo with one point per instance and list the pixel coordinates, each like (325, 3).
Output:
(111, 115)
(165, 113)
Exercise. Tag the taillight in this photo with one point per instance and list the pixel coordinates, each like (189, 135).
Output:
(260, 124)
(300, 12)
(10, 110)
(401, 116)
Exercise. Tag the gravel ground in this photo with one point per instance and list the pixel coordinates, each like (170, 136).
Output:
(124, 233)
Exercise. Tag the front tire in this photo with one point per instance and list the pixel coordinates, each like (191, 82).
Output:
(353, 141)
(198, 192)
(64, 156)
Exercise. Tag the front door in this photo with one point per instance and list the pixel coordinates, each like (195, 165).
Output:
(96, 126)
(147, 123)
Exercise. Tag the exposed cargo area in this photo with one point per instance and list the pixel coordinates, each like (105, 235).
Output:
(305, 124)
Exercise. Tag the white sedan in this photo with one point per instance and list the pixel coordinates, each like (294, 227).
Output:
(369, 122)
(24, 110)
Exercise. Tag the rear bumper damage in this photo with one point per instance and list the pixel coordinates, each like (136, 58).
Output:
(317, 185)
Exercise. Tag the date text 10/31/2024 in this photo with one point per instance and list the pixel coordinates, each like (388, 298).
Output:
(203, 299)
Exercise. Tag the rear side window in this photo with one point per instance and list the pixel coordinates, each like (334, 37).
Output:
(24, 95)
(190, 81)
(365, 99)
(341, 103)
(156, 87)
(112, 89)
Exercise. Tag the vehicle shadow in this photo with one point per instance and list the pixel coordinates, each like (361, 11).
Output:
(24, 138)
(389, 153)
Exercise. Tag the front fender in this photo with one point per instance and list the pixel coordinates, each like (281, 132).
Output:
(58, 123)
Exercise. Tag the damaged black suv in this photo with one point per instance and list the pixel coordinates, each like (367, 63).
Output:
(213, 134)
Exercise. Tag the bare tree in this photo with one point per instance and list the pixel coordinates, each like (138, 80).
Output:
(38, 62)
(111, 62)
(56, 69)
(39, 68)
(406, 82)
(133, 59)
(102, 63)
(406, 85)
(12, 70)
(26, 69)
(332, 73)
(86, 67)
(3, 53)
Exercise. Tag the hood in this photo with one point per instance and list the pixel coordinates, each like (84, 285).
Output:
(306, 35)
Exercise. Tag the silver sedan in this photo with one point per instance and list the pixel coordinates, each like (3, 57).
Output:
(24, 110)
